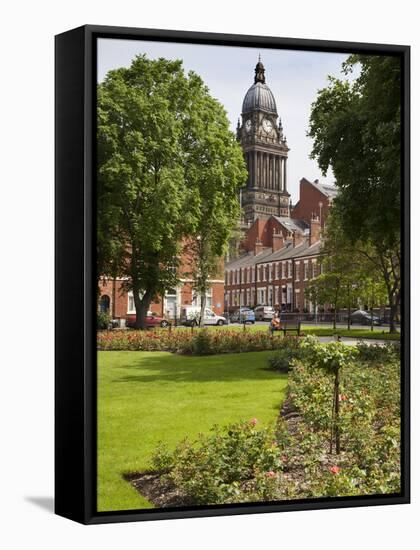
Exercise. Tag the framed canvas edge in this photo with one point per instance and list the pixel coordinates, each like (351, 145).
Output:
(83, 384)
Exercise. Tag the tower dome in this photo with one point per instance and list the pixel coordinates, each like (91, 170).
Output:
(259, 96)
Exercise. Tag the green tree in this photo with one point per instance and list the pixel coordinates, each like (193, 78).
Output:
(219, 172)
(356, 128)
(348, 276)
(150, 154)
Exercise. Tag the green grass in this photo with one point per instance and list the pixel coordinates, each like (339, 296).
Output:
(147, 397)
(362, 333)
(378, 334)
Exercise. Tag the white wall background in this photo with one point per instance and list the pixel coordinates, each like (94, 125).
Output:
(26, 305)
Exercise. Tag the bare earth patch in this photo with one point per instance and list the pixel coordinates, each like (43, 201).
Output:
(158, 490)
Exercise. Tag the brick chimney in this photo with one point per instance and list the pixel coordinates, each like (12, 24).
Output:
(315, 230)
(258, 246)
(297, 238)
(278, 241)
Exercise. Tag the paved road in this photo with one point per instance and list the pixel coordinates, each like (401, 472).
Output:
(322, 325)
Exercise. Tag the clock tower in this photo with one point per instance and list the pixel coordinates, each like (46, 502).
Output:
(265, 150)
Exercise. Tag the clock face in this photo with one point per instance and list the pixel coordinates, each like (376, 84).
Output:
(267, 125)
(248, 125)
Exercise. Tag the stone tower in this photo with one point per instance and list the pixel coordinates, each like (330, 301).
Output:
(265, 150)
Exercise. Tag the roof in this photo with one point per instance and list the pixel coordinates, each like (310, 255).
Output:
(267, 255)
(292, 224)
(259, 97)
(329, 190)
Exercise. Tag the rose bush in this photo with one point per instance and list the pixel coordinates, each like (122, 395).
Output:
(240, 463)
(197, 342)
(245, 462)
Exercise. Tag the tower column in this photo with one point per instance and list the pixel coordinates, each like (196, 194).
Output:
(254, 170)
(285, 175)
(272, 171)
(281, 173)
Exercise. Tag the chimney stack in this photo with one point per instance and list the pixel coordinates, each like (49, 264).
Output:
(278, 241)
(297, 238)
(258, 246)
(315, 230)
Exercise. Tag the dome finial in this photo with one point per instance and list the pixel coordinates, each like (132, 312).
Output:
(259, 71)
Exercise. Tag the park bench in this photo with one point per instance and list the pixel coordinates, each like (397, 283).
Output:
(288, 325)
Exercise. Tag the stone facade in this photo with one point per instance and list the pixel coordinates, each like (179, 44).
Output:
(265, 150)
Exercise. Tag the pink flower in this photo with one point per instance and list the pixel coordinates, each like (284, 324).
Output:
(271, 474)
(253, 422)
(342, 397)
(335, 469)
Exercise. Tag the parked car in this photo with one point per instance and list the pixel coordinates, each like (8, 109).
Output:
(361, 317)
(152, 320)
(190, 316)
(264, 313)
(243, 315)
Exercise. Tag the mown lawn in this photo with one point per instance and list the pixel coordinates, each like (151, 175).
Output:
(147, 397)
(362, 333)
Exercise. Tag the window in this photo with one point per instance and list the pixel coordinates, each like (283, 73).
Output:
(131, 308)
(104, 303)
(297, 271)
(306, 270)
(284, 270)
(289, 270)
(196, 298)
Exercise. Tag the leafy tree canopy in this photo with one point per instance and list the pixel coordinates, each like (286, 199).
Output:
(356, 128)
(164, 148)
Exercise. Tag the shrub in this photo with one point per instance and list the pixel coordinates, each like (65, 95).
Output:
(198, 342)
(239, 463)
(202, 343)
(378, 353)
(282, 360)
(103, 320)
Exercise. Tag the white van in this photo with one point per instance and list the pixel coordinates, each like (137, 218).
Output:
(264, 313)
(191, 314)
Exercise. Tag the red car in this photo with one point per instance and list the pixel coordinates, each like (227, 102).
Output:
(152, 320)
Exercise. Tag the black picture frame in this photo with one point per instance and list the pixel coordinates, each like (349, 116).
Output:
(75, 316)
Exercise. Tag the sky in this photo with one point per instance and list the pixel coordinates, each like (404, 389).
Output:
(294, 77)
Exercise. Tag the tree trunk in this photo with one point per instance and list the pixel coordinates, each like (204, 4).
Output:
(142, 307)
(202, 308)
(348, 308)
(392, 315)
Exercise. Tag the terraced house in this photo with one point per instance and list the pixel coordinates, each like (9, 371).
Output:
(280, 245)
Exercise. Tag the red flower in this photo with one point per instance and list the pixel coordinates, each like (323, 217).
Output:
(335, 469)
(342, 397)
(271, 474)
(253, 422)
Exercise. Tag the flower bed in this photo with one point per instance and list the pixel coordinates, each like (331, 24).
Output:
(246, 463)
(196, 342)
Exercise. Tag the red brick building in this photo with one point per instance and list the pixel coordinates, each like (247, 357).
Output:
(120, 303)
(281, 258)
